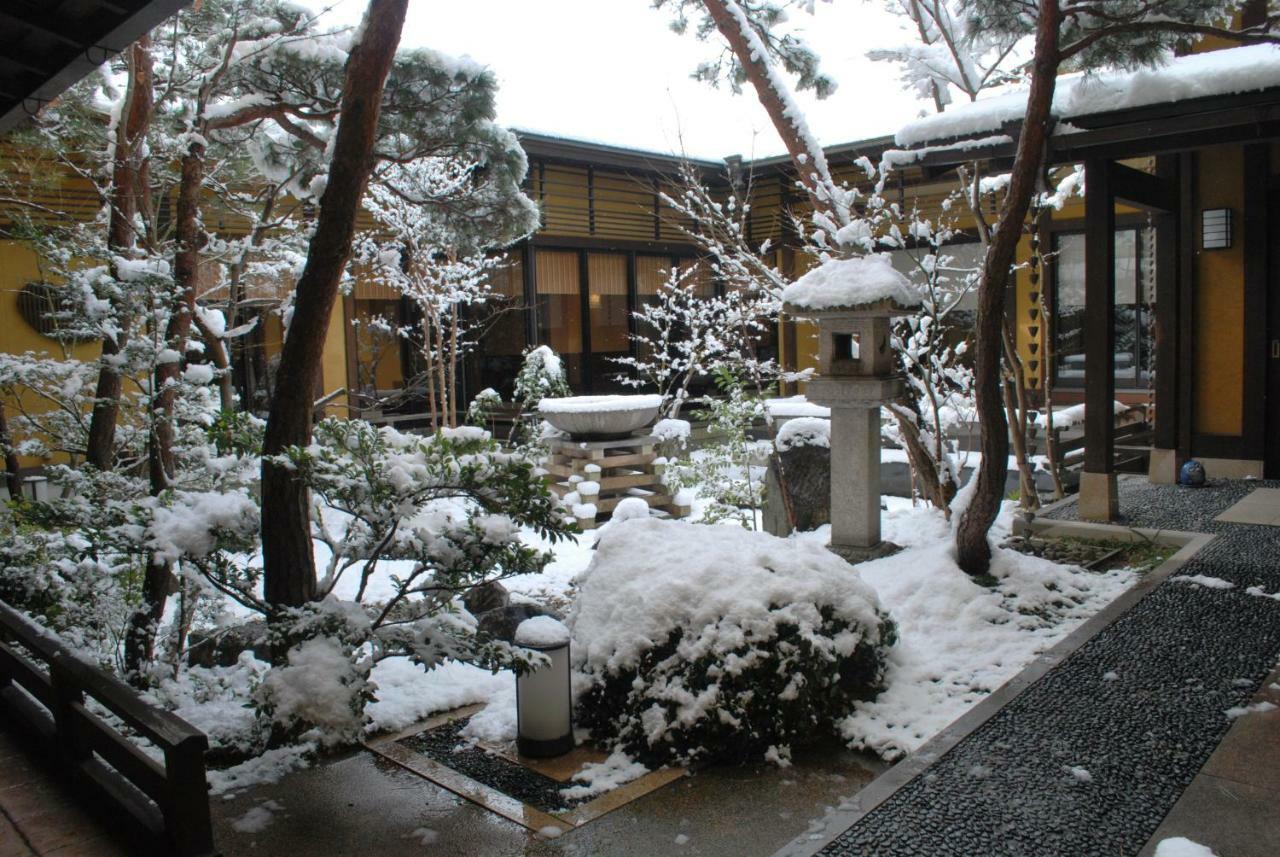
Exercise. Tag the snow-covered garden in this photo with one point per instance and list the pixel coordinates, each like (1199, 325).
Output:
(292, 579)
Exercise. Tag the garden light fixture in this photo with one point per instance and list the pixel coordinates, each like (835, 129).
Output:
(544, 703)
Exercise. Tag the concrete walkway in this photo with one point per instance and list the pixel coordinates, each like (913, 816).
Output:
(363, 804)
(1114, 747)
(39, 816)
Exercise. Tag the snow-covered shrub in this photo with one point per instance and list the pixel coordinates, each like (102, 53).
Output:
(713, 643)
(484, 407)
(726, 470)
(320, 692)
(541, 376)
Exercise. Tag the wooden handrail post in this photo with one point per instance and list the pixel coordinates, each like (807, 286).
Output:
(65, 695)
(186, 809)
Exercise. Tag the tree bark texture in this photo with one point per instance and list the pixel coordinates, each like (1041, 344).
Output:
(12, 477)
(756, 67)
(288, 564)
(973, 552)
(157, 582)
(127, 171)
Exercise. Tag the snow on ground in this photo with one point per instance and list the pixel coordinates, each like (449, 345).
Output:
(959, 640)
(1180, 846)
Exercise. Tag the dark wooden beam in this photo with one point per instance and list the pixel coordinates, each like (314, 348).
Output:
(101, 38)
(1257, 169)
(1187, 198)
(1100, 311)
(529, 284)
(619, 245)
(1167, 315)
(584, 304)
(591, 200)
(1143, 190)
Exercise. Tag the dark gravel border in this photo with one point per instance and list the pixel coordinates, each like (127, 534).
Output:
(1140, 707)
(446, 745)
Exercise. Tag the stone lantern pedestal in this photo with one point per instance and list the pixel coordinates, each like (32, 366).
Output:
(853, 301)
(855, 462)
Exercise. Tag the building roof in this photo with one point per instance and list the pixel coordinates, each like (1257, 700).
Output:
(1159, 107)
(48, 45)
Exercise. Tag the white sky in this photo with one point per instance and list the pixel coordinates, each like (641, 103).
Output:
(612, 71)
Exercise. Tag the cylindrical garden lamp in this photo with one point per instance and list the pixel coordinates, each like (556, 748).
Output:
(544, 699)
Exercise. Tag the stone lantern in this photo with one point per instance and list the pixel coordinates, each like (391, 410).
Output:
(853, 301)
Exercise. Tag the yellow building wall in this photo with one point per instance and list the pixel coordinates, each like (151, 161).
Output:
(1219, 300)
(333, 363)
(19, 265)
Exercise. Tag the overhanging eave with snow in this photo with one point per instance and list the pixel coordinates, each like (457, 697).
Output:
(1184, 159)
(1229, 96)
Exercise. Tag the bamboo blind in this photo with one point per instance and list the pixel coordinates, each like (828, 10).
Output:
(558, 272)
(607, 274)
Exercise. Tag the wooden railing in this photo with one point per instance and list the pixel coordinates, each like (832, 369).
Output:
(44, 688)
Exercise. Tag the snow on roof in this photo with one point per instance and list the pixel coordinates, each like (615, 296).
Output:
(852, 282)
(1223, 72)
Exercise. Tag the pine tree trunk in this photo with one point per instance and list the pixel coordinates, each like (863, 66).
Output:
(217, 351)
(13, 481)
(973, 552)
(127, 169)
(756, 69)
(139, 645)
(289, 573)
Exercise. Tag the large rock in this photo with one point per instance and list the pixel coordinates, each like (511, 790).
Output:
(807, 482)
(501, 623)
(486, 597)
(222, 648)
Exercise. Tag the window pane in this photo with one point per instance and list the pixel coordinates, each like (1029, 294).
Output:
(1134, 272)
(560, 309)
(503, 340)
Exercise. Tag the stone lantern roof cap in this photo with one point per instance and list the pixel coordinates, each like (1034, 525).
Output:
(862, 285)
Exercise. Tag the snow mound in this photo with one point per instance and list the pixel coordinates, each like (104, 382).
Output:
(541, 632)
(714, 642)
(630, 508)
(1180, 846)
(850, 283)
(669, 429)
(803, 431)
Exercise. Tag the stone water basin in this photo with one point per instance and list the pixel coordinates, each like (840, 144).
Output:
(601, 417)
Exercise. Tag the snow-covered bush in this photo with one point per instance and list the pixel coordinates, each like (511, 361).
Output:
(540, 377)
(726, 470)
(713, 643)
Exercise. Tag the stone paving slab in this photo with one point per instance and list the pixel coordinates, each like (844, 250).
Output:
(39, 816)
(1138, 708)
(1233, 804)
(361, 804)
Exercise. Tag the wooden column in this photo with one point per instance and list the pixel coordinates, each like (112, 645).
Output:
(1187, 202)
(1098, 499)
(1165, 462)
(529, 287)
(1257, 174)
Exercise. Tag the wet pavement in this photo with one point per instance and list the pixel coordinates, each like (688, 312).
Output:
(362, 804)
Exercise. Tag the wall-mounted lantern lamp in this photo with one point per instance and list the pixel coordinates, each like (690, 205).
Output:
(1215, 229)
(544, 700)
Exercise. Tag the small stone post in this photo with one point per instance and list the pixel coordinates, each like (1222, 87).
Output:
(853, 301)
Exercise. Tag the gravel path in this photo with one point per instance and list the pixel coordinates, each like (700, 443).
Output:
(1088, 760)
